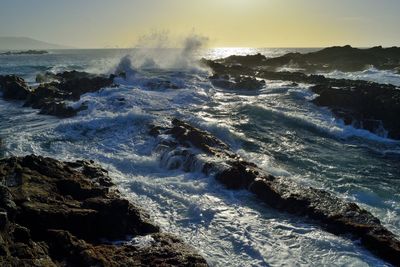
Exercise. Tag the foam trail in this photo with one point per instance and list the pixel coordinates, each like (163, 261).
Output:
(371, 74)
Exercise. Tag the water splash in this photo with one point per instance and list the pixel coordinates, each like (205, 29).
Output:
(153, 52)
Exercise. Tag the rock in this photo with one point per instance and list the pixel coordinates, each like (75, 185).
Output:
(46, 77)
(60, 110)
(51, 97)
(363, 104)
(79, 86)
(21, 234)
(189, 135)
(2, 148)
(163, 250)
(239, 82)
(344, 58)
(14, 87)
(63, 211)
(248, 60)
(3, 220)
(193, 147)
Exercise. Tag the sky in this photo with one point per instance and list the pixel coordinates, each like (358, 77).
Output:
(226, 23)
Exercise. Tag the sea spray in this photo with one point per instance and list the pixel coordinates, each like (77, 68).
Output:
(154, 51)
(113, 132)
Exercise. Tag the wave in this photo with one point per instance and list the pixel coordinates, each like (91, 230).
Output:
(372, 74)
(152, 55)
(322, 121)
(230, 228)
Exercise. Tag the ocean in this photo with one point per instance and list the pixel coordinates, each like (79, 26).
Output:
(277, 128)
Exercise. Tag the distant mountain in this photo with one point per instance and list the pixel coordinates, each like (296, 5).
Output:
(25, 43)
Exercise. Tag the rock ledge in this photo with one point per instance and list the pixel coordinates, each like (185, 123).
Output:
(56, 213)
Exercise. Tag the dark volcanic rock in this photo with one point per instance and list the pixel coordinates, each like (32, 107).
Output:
(248, 60)
(56, 213)
(239, 82)
(79, 83)
(14, 87)
(344, 58)
(192, 148)
(367, 105)
(51, 97)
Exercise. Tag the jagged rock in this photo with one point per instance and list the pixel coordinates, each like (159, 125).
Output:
(162, 250)
(239, 82)
(192, 147)
(14, 87)
(46, 77)
(79, 86)
(344, 58)
(51, 97)
(247, 60)
(367, 105)
(56, 213)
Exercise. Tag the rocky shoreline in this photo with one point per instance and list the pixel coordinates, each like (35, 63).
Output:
(362, 104)
(186, 147)
(55, 213)
(54, 92)
(342, 58)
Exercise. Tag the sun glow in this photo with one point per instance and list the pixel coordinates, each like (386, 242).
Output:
(247, 23)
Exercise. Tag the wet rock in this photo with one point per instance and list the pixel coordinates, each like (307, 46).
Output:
(52, 96)
(194, 147)
(60, 213)
(363, 104)
(239, 82)
(189, 135)
(344, 58)
(3, 220)
(58, 109)
(163, 250)
(82, 85)
(21, 234)
(247, 60)
(366, 105)
(46, 77)
(14, 87)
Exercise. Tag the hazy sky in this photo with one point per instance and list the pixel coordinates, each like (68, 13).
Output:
(256, 23)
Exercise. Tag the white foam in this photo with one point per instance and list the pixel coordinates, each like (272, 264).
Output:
(228, 227)
(371, 74)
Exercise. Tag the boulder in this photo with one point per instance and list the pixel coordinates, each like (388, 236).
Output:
(55, 213)
(184, 146)
(14, 87)
(51, 96)
(343, 58)
(363, 104)
(239, 82)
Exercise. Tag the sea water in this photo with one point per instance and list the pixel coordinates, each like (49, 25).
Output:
(277, 127)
